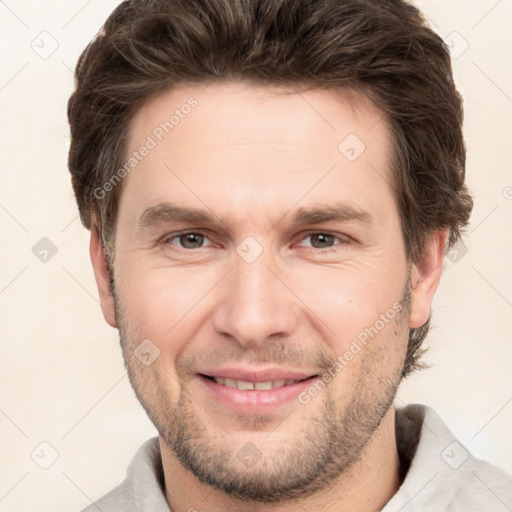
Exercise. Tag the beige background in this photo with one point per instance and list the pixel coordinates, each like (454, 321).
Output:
(62, 380)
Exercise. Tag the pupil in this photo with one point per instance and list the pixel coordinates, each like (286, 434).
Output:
(189, 238)
(322, 238)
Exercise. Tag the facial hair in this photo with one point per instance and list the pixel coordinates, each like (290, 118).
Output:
(327, 445)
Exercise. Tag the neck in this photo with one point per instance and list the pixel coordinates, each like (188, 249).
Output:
(364, 487)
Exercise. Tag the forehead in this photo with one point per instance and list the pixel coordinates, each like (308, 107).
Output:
(247, 113)
(257, 147)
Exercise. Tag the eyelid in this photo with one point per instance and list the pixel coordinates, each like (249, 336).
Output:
(344, 239)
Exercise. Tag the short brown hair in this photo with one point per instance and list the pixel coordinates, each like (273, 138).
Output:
(382, 47)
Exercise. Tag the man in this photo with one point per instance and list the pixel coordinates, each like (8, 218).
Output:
(313, 151)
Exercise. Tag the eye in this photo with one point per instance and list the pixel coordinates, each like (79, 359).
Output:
(190, 240)
(322, 240)
(187, 240)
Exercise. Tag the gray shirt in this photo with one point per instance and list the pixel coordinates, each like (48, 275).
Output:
(441, 476)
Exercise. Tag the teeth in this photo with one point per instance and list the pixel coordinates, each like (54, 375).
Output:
(261, 386)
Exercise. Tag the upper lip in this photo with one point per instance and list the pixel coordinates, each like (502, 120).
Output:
(257, 375)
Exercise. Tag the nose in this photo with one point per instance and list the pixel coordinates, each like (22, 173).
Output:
(255, 304)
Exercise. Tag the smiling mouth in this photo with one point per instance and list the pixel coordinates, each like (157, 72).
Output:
(255, 386)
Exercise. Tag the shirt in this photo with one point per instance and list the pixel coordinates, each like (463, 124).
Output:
(441, 473)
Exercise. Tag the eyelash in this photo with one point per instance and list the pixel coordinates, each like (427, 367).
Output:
(168, 240)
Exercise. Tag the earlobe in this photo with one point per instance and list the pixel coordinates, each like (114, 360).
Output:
(102, 275)
(425, 277)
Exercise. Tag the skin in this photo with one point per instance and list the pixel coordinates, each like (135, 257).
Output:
(252, 155)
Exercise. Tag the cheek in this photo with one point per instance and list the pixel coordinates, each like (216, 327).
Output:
(343, 302)
(162, 304)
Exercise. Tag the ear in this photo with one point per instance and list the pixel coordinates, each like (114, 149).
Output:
(425, 276)
(102, 275)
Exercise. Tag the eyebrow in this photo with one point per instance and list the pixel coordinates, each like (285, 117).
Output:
(166, 213)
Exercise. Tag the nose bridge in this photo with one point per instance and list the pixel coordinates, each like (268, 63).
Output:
(255, 304)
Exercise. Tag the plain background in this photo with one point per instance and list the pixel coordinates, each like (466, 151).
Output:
(62, 379)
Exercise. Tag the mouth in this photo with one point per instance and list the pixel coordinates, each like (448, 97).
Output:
(253, 397)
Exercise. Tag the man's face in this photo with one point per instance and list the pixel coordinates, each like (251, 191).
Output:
(262, 293)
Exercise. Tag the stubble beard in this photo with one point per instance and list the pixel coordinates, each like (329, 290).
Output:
(327, 446)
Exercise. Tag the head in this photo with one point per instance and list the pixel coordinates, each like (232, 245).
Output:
(270, 117)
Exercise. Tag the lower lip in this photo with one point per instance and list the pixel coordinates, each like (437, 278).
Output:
(255, 401)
